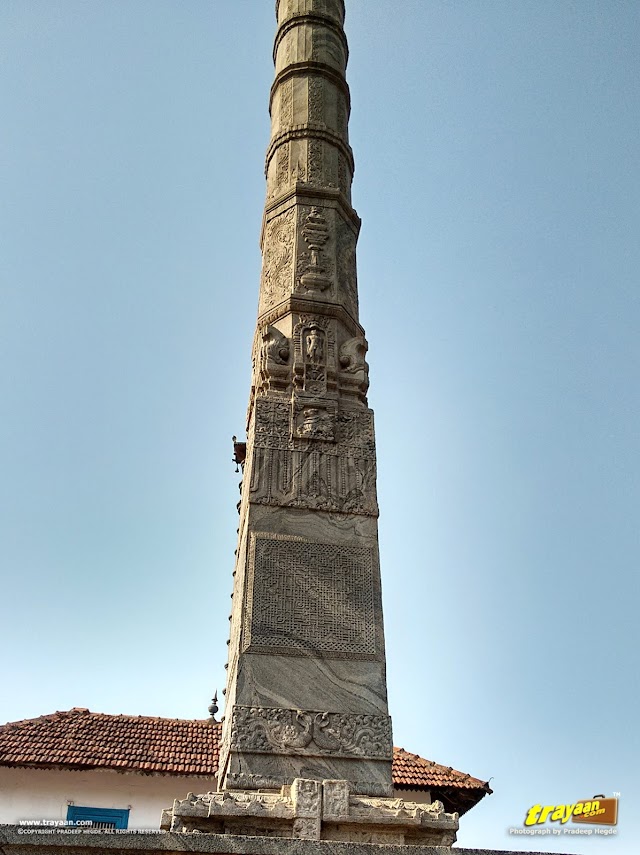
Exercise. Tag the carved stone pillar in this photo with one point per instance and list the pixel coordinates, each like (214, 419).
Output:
(306, 693)
(306, 744)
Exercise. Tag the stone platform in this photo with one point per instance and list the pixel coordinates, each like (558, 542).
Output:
(314, 811)
(15, 840)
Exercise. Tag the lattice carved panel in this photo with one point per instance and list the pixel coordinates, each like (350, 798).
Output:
(310, 597)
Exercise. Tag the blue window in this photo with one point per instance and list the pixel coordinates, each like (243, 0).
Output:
(98, 817)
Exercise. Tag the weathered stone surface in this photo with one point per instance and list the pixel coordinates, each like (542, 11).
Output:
(309, 597)
(316, 810)
(281, 731)
(15, 842)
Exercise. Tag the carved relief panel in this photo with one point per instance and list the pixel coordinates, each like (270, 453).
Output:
(310, 597)
(308, 454)
(272, 358)
(317, 85)
(314, 349)
(315, 163)
(282, 167)
(271, 423)
(277, 261)
(314, 362)
(314, 480)
(313, 420)
(329, 48)
(354, 431)
(354, 370)
(315, 262)
(346, 267)
(284, 731)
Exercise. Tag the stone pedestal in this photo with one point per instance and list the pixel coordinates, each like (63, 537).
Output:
(314, 810)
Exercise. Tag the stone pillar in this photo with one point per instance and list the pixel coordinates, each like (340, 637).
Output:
(306, 694)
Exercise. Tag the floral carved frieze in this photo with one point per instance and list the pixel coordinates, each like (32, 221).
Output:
(284, 731)
(277, 262)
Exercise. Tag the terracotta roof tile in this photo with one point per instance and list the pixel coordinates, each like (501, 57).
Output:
(411, 771)
(82, 739)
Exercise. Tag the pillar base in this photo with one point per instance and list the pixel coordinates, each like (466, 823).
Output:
(314, 810)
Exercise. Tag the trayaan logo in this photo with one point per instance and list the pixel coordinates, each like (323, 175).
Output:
(599, 810)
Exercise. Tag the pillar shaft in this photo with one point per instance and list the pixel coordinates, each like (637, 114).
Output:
(306, 693)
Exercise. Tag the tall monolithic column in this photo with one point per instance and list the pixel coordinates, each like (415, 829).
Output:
(306, 694)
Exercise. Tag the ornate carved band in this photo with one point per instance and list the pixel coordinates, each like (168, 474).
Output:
(314, 18)
(298, 69)
(273, 429)
(310, 132)
(264, 730)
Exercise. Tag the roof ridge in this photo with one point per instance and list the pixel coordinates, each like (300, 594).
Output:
(54, 716)
(77, 712)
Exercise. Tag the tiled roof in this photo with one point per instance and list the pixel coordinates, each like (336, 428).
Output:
(410, 771)
(457, 791)
(80, 739)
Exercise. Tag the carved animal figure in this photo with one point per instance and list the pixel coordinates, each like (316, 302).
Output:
(292, 734)
(275, 345)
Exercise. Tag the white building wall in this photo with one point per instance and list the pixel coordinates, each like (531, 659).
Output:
(423, 797)
(46, 793)
(31, 794)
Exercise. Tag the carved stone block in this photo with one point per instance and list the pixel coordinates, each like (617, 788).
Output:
(315, 810)
(307, 798)
(308, 829)
(314, 358)
(315, 265)
(310, 597)
(308, 454)
(271, 360)
(354, 374)
(272, 427)
(265, 730)
(313, 420)
(335, 800)
(346, 266)
(307, 805)
(277, 262)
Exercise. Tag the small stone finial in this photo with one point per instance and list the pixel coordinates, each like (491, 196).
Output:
(213, 707)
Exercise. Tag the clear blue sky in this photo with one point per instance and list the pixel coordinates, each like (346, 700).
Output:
(497, 152)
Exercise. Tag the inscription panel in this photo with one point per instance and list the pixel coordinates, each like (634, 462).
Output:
(310, 597)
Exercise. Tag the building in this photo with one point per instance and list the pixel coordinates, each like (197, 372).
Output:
(126, 769)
